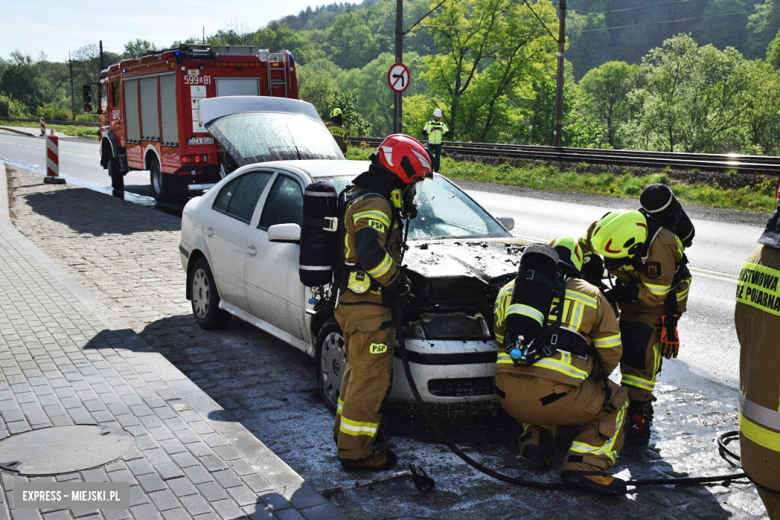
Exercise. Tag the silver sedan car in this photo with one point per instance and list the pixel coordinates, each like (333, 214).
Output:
(239, 247)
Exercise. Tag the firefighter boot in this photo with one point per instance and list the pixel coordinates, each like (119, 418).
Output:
(640, 415)
(596, 481)
(377, 461)
(537, 447)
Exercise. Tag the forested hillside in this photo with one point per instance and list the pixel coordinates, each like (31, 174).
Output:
(683, 75)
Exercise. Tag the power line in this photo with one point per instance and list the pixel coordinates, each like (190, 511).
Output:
(640, 7)
(668, 21)
(540, 21)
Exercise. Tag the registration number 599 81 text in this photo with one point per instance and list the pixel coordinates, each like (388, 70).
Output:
(197, 80)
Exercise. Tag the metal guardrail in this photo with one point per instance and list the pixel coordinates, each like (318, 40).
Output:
(705, 162)
(69, 123)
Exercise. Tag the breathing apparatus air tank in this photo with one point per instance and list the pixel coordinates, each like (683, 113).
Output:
(532, 297)
(659, 202)
(319, 237)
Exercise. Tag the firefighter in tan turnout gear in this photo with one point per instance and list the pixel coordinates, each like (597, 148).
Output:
(757, 319)
(373, 283)
(566, 383)
(651, 293)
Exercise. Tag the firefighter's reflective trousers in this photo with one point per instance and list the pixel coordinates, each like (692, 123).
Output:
(368, 338)
(541, 403)
(641, 361)
(759, 435)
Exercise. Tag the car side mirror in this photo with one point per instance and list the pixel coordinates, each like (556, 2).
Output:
(285, 233)
(507, 222)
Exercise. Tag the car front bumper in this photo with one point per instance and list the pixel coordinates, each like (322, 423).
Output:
(447, 371)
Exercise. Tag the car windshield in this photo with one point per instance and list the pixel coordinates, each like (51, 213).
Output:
(271, 136)
(444, 211)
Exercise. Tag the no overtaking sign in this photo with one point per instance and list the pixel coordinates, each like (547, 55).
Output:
(398, 77)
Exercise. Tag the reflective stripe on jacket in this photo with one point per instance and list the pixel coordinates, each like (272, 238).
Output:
(585, 312)
(435, 131)
(370, 244)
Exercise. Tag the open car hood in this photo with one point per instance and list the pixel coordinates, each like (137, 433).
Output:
(253, 129)
(454, 273)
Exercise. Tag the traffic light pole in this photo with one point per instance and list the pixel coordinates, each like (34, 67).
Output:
(398, 111)
(558, 123)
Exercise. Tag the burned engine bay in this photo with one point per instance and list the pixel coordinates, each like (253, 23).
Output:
(455, 284)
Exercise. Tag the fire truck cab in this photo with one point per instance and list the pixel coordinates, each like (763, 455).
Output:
(149, 111)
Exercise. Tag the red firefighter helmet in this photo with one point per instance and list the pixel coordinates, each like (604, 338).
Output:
(406, 157)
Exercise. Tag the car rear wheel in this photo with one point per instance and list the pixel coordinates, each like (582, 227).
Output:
(331, 360)
(205, 298)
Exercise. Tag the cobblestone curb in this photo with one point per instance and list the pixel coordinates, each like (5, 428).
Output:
(67, 359)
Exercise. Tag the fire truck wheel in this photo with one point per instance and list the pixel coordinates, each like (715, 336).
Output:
(117, 179)
(158, 182)
(205, 298)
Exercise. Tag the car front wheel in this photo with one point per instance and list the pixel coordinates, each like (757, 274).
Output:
(331, 360)
(205, 298)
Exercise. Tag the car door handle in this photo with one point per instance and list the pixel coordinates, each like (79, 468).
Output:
(210, 231)
(250, 250)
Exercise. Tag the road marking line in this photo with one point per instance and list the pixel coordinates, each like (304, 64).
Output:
(61, 153)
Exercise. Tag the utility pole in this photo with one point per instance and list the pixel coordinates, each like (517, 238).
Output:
(203, 35)
(101, 55)
(72, 95)
(399, 58)
(558, 123)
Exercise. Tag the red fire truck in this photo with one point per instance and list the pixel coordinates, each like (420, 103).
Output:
(149, 110)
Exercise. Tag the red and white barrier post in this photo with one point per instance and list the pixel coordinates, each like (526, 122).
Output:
(43, 127)
(53, 160)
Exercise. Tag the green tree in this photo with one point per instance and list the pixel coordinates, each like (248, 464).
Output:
(139, 47)
(605, 97)
(773, 52)
(374, 97)
(694, 96)
(317, 82)
(351, 41)
(488, 49)
(354, 122)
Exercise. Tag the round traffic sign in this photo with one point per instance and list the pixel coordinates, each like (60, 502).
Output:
(398, 77)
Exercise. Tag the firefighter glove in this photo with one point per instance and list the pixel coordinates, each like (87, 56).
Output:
(622, 293)
(670, 339)
(398, 292)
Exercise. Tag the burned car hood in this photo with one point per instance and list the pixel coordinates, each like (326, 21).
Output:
(462, 273)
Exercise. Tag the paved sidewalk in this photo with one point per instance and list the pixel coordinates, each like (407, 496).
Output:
(66, 359)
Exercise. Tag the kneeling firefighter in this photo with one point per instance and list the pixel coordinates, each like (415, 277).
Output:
(645, 251)
(373, 283)
(561, 341)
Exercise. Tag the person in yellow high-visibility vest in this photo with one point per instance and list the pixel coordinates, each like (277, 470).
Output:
(336, 127)
(435, 131)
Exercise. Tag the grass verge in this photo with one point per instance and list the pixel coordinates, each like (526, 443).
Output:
(90, 132)
(626, 184)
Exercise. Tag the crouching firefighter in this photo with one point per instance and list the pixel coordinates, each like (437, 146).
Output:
(372, 284)
(645, 251)
(561, 341)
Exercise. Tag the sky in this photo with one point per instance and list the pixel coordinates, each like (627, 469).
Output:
(55, 27)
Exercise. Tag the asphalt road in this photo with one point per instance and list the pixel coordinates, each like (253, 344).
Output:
(708, 340)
